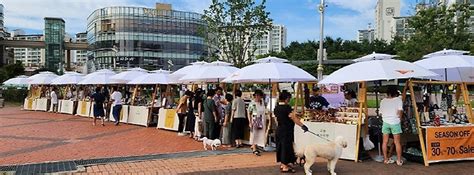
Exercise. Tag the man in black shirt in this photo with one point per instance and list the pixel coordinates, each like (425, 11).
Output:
(316, 101)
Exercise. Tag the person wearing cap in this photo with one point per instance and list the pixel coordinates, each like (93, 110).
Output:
(350, 98)
(316, 101)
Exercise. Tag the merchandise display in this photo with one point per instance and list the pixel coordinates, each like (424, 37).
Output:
(343, 115)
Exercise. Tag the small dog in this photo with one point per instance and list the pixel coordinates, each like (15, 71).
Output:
(331, 151)
(213, 143)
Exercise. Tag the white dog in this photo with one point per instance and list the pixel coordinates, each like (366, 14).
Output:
(213, 143)
(331, 151)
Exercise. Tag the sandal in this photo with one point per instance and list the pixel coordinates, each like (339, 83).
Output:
(400, 163)
(289, 170)
(389, 161)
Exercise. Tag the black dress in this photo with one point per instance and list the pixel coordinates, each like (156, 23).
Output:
(285, 134)
(191, 118)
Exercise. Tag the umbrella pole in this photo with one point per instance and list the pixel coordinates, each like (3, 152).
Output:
(134, 94)
(271, 112)
(377, 98)
(152, 105)
(445, 74)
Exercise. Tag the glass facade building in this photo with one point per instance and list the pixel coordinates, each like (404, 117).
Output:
(119, 37)
(54, 33)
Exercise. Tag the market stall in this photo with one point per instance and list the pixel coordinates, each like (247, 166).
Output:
(86, 86)
(277, 71)
(382, 67)
(67, 86)
(444, 119)
(40, 99)
(198, 73)
(146, 105)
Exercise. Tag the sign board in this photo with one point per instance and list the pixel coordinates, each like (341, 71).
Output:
(328, 131)
(41, 104)
(168, 119)
(138, 115)
(28, 104)
(83, 108)
(450, 143)
(123, 114)
(67, 106)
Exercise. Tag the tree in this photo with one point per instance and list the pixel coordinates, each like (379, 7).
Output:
(233, 25)
(436, 29)
(11, 71)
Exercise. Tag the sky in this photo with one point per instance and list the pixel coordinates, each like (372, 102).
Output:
(342, 19)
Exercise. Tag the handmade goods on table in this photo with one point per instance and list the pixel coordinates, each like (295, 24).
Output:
(342, 115)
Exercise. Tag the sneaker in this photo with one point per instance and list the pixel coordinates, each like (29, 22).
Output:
(181, 134)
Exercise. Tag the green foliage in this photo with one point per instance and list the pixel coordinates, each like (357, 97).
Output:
(234, 24)
(15, 94)
(11, 71)
(436, 29)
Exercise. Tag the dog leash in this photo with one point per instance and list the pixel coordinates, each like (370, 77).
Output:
(319, 136)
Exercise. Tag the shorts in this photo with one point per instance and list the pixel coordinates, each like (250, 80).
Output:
(391, 128)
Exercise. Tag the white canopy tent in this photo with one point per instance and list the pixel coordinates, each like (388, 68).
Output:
(98, 72)
(446, 52)
(373, 70)
(99, 77)
(129, 75)
(210, 73)
(194, 67)
(21, 80)
(270, 69)
(42, 78)
(68, 78)
(374, 56)
(451, 67)
(153, 78)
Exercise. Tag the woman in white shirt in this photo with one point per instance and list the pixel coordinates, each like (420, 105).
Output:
(257, 122)
(116, 97)
(391, 109)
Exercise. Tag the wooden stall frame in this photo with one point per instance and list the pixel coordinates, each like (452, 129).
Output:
(362, 110)
(467, 105)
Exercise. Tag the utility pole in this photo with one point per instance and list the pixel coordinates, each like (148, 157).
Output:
(321, 41)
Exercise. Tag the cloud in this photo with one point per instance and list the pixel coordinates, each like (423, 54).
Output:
(30, 14)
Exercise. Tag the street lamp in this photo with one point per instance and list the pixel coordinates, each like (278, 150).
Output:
(115, 49)
(320, 69)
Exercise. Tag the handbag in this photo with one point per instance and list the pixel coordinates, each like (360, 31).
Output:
(258, 122)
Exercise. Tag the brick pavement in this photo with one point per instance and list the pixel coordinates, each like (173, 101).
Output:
(265, 165)
(29, 137)
(33, 137)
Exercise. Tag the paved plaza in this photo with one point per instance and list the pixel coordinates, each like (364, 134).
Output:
(34, 142)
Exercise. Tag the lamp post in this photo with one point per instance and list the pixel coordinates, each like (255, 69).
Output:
(321, 41)
(115, 49)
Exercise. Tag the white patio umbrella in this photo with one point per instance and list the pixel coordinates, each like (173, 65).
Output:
(161, 71)
(270, 69)
(271, 59)
(377, 70)
(374, 56)
(98, 71)
(194, 67)
(451, 67)
(210, 73)
(129, 75)
(102, 77)
(43, 78)
(21, 80)
(446, 52)
(153, 78)
(68, 78)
